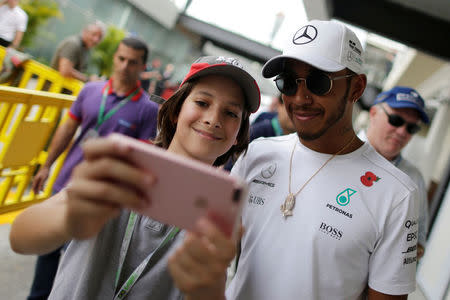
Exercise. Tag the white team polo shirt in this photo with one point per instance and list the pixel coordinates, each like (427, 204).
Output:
(354, 224)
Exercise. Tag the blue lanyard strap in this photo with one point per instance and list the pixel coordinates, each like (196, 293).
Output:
(276, 126)
(133, 278)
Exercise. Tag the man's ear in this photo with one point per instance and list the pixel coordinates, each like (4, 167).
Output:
(373, 111)
(359, 85)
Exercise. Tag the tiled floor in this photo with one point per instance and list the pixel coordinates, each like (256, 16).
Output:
(16, 271)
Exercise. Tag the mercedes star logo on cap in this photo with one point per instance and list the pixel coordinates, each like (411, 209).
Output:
(305, 35)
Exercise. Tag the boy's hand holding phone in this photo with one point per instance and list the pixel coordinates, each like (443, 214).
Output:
(103, 184)
(186, 190)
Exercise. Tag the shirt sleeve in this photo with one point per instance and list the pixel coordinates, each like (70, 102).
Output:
(70, 51)
(147, 129)
(77, 107)
(392, 265)
(23, 20)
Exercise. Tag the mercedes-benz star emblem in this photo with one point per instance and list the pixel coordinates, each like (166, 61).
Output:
(269, 171)
(305, 35)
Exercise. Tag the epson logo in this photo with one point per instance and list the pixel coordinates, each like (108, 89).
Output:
(331, 231)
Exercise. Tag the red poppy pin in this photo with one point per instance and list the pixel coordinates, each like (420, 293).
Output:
(369, 178)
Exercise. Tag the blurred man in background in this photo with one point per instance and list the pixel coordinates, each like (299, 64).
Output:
(71, 56)
(13, 23)
(279, 124)
(393, 120)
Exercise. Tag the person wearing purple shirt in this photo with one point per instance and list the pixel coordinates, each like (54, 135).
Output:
(133, 119)
(118, 105)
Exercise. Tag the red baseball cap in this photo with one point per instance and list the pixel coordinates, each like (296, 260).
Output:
(229, 67)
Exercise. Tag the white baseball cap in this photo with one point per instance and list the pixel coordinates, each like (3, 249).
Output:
(326, 45)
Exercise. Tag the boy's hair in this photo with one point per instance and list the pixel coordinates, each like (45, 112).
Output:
(136, 44)
(170, 110)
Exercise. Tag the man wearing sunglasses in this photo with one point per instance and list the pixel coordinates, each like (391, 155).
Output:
(325, 216)
(393, 120)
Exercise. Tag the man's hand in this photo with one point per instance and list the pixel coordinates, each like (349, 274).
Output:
(151, 75)
(375, 295)
(66, 68)
(39, 179)
(94, 77)
(17, 40)
(420, 251)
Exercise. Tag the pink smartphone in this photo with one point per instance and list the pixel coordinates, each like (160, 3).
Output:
(187, 189)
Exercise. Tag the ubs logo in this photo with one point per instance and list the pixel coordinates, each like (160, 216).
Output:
(305, 35)
(268, 172)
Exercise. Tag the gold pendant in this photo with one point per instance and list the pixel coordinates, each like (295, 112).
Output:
(288, 205)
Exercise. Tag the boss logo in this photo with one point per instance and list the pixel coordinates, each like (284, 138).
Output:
(331, 231)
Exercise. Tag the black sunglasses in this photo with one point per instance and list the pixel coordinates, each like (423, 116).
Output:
(398, 121)
(318, 83)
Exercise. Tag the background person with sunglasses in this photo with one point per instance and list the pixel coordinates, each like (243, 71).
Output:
(393, 120)
(325, 217)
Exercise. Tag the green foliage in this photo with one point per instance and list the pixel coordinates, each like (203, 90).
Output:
(39, 12)
(102, 54)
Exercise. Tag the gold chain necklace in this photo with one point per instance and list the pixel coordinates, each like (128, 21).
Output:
(289, 203)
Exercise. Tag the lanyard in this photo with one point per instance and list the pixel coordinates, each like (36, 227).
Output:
(276, 126)
(101, 117)
(133, 278)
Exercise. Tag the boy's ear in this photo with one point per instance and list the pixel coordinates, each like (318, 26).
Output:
(235, 142)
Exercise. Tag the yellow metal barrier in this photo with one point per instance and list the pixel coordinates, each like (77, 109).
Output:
(2, 55)
(27, 120)
(37, 76)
